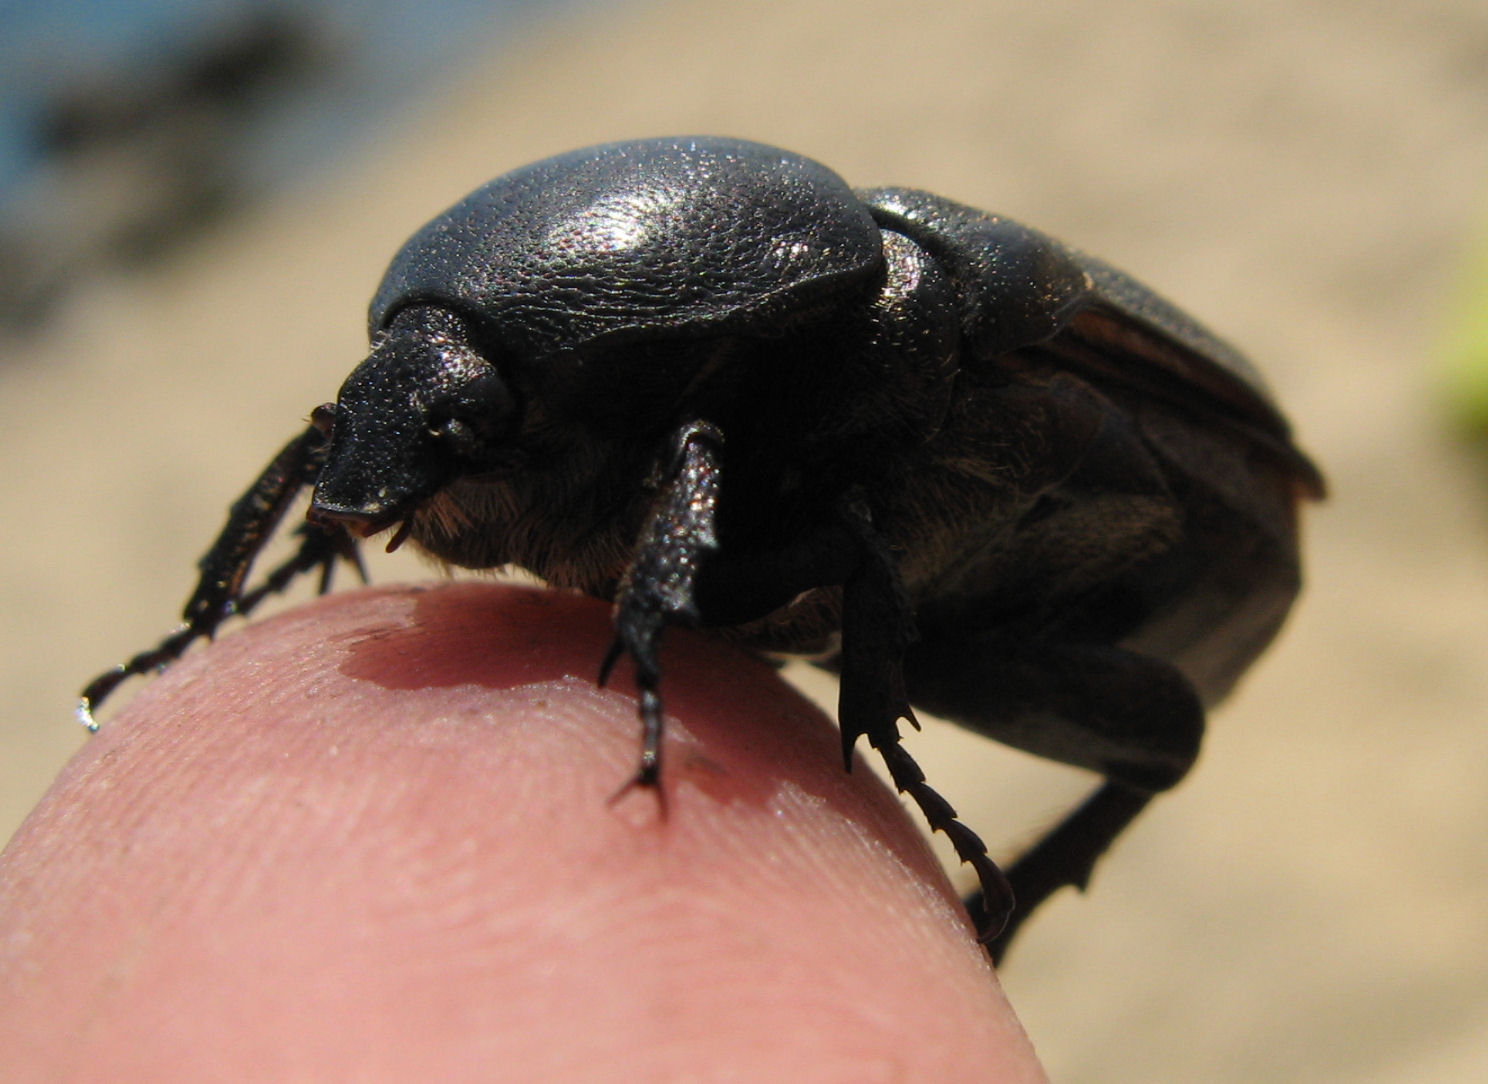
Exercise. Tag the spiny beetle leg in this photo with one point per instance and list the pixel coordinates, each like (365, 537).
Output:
(320, 547)
(1066, 856)
(660, 586)
(877, 628)
(995, 895)
(250, 524)
(161, 655)
(1136, 720)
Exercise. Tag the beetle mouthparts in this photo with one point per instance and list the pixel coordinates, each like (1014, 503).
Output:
(363, 523)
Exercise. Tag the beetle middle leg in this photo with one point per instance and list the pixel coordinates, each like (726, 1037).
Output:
(660, 586)
(1134, 719)
(844, 548)
(877, 630)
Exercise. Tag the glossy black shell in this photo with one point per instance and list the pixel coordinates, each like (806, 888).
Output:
(645, 239)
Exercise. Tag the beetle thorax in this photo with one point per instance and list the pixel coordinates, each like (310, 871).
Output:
(559, 521)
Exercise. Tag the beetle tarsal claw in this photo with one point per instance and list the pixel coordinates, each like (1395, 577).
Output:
(639, 782)
(83, 712)
(607, 664)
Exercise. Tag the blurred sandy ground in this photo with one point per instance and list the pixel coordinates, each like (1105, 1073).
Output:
(1313, 904)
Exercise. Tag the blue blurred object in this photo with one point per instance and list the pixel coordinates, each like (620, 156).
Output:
(125, 127)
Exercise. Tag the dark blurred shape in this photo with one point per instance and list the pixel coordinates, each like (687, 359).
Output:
(229, 75)
(137, 159)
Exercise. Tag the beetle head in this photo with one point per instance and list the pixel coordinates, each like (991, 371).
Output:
(425, 408)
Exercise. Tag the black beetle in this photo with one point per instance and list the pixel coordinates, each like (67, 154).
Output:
(951, 458)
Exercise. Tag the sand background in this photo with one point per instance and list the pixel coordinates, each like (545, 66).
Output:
(1306, 176)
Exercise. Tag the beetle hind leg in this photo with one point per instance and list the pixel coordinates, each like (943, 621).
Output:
(1066, 856)
(1134, 719)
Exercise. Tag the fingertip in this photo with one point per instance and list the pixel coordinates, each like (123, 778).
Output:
(373, 832)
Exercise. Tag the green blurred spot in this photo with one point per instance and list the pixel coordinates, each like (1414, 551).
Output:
(1465, 379)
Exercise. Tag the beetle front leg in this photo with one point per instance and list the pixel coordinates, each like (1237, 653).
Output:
(218, 595)
(877, 629)
(660, 586)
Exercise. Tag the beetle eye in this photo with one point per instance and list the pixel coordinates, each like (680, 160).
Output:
(323, 417)
(458, 437)
(472, 421)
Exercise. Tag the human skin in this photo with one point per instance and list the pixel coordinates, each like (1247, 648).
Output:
(372, 838)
